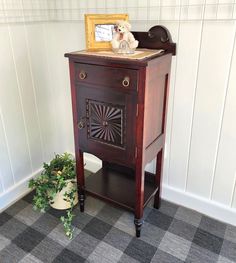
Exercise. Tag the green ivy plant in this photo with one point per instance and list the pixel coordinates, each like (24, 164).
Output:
(52, 180)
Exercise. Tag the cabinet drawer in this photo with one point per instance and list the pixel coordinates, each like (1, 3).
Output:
(106, 76)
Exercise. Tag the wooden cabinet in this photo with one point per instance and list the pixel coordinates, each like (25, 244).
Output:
(119, 112)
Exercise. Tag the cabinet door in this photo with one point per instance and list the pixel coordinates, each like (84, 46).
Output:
(106, 123)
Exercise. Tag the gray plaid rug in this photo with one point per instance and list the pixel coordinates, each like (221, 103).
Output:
(105, 234)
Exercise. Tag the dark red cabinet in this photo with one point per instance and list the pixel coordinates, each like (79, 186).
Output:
(119, 113)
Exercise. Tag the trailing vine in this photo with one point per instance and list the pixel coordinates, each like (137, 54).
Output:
(55, 176)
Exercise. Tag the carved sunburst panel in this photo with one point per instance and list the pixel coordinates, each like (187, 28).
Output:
(106, 122)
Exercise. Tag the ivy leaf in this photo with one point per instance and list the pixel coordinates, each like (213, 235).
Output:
(51, 181)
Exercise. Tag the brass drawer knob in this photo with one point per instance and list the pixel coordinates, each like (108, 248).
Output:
(126, 81)
(82, 75)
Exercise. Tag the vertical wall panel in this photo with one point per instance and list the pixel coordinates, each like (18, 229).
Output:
(184, 99)
(57, 78)
(74, 42)
(7, 177)
(169, 124)
(44, 97)
(213, 72)
(20, 49)
(234, 194)
(1, 183)
(12, 110)
(223, 185)
(59, 81)
(174, 29)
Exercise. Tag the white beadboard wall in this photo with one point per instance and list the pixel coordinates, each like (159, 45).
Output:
(35, 109)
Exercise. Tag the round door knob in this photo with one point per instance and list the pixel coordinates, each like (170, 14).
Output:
(82, 75)
(125, 82)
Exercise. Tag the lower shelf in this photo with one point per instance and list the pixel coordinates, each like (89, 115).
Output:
(118, 188)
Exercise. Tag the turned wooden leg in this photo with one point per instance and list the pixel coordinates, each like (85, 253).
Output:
(81, 200)
(138, 225)
(157, 200)
(139, 187)
(80, 178)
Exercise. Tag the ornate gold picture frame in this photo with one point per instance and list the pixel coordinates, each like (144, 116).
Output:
(98, 30)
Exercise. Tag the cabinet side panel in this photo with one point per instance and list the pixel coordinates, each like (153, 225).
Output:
(155, 95)
(78, 152)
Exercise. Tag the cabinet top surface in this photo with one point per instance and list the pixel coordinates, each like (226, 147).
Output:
(140, 57)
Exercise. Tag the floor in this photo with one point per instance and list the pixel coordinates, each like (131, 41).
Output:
(104, 234)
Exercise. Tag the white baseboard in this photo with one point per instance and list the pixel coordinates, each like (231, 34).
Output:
(186, 199)
(203, 205)
(16, 192)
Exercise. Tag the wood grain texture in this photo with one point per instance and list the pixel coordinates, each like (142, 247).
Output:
(96, 75)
